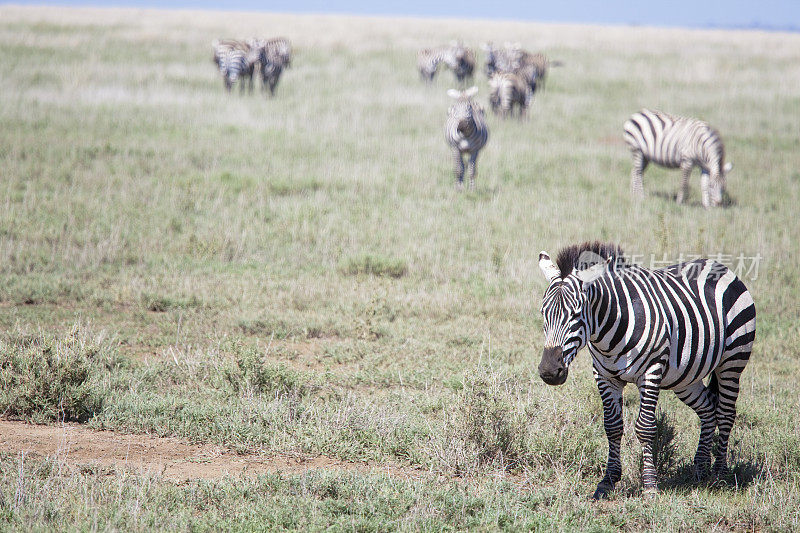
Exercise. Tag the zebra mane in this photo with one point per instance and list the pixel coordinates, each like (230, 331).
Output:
(570, 257)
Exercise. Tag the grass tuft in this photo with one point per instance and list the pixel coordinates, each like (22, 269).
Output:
(375, 265)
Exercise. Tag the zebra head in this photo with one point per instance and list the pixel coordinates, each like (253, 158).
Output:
(716, 187)
(565, 315)
(463, 111)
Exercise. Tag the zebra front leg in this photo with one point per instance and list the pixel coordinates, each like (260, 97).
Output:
(611, 394)
(686, 171)
(639, 164)
(473, 159)
(704, 189)
(458, 168)
(646, 424)
(704, 403)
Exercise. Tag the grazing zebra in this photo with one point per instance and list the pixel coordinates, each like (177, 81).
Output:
(512, 58)
(233, 65)
(464, 63)
(273, 55)
(456, 57)
(466, 132)
(660, 329)
(677, 142)
(507, 89)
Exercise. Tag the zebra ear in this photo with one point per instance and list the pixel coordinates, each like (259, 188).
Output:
(727, 168)
(549, 269)
(593, 272)
(452, 93)
(472, 91)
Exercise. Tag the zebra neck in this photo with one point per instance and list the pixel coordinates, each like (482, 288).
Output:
(605, 317)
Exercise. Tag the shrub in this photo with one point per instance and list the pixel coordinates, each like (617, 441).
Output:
(46, 378)
(375, 265)
(248, 373)
(485, 427)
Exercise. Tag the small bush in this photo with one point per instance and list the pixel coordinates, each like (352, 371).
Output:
(250, 374)
(160, 304)
(45, 378)
(485, 427)
(375, 265)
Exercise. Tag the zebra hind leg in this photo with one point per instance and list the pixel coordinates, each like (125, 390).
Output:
(728, 384)
(703, 401)
(646, 430)
(639, 164)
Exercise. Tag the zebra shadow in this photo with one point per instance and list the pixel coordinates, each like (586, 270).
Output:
(727, 199)
(482, 193)
(742, 473)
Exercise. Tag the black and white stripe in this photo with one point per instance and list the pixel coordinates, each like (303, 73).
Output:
(233, 66)
(273, 56)
(507, 90)
(456, 57)
(677, 142)
(466, 133)
(659, 329)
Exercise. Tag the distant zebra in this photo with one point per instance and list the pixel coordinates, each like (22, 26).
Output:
(233, 65)
(512, 58)
(456, 57)
(498, 60)
(660, 329)
(274, 55)
(677, 142)
(228, 50)
(466, 133)
(506, 90)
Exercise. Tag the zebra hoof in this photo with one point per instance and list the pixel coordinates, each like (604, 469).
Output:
(650, 493)
(701, 471)
(602, 492)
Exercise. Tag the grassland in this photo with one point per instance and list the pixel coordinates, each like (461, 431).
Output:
(298, 275)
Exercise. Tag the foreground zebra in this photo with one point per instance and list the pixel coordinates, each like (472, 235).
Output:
(466, 133)
(677, 142)
(235, 60)
(660, 329)
(506, 90)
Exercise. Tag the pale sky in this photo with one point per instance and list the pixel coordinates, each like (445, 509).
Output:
(770, 14)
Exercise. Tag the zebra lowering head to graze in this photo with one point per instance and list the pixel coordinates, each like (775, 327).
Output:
(456, 57)
(272, 56)
(466, 133)
(233, 65)
(659, 329)
(506, 90)
(677, 142)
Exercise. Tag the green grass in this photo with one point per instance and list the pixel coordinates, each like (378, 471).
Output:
(298, 275)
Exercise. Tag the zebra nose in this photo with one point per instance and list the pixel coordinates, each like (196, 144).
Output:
(552, 369)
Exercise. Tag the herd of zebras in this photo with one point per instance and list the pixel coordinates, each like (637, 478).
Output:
(658, 329)
(515, 74)
(240, 60)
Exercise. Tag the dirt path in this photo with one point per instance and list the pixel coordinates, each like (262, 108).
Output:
(170, 458)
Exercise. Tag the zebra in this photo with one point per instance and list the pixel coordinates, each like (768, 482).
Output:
(273, 56)
(233, 65)
(222, 51)
(660, 329)
(456, 57)
(507, 89)
(677, 142)
(512, 58)
(466, 133)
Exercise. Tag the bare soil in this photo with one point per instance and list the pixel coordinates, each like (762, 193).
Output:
(169, 458)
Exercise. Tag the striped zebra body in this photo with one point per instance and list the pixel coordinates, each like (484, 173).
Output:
(233, 65)
(677, 142)
(456, 57)
(507, 90)
(466, 133)
(659, 329)
(272, 56)
(227, 50)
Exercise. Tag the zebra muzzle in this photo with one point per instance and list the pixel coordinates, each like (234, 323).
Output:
(552, 369)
